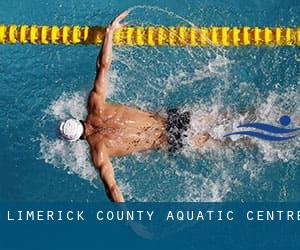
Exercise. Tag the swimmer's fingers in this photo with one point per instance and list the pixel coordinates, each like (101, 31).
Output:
(122, 25)
(122, 16)
(115, 24)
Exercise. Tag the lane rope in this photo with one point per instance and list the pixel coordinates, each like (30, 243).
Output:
(152, 35)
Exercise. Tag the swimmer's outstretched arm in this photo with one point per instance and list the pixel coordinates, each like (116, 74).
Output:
(103, 164)
(105, 56)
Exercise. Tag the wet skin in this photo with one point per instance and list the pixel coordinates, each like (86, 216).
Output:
(118, 130)
(112, 129)
(123, 130)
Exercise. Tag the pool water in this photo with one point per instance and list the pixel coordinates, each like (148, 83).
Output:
(43, 84)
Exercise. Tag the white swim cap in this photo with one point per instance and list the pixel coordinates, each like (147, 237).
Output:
(70, 130)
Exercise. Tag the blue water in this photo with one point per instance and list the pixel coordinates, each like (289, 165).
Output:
(42, 84)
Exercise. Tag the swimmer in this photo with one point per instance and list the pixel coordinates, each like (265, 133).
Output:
(114, 130)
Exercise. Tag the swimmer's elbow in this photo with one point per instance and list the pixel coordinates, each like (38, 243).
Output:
(105, 63)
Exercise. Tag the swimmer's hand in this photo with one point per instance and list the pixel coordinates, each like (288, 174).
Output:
(115, 24)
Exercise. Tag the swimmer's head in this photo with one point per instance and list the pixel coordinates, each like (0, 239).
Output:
(70, 130)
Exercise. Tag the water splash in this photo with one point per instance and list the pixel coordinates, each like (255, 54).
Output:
(74, 158)
(192, 185)
(215, 85)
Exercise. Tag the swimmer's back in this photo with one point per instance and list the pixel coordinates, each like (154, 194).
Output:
(126, 130)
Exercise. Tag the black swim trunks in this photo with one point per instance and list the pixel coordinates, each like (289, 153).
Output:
(177, 125)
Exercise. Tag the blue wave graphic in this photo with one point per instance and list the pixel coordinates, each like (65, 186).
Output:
(262, 136)
(269, 128)
(284, 121)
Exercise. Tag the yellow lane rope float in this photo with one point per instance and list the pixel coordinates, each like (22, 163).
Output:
(152, 36)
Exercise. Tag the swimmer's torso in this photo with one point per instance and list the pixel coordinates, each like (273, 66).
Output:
(124, 130)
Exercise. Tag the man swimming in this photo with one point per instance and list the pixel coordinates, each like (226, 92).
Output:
(117, 130)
